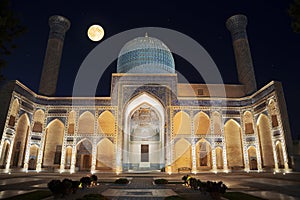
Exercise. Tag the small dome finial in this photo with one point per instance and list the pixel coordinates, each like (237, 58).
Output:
(146, 34)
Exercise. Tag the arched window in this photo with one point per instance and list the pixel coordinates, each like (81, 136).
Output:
(248, 123)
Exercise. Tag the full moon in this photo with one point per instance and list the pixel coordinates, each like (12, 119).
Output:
(95, 33)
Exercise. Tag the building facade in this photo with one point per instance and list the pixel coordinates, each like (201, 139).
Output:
(150, 122)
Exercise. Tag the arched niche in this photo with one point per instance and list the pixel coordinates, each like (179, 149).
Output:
(273, 112)
(53, 143)
(233, 141)
(182, 154)
(182, 123)
(203, 155)
(105, 155)
(279, 153)
(252, 158)
(14, 112)
(20, 141)
(86, 123)
(33, 156)
(71, 122)
(4, 154)
(68, 157)
(248, 122)
(38, 120)
(106, 123)
(217, 123)
(201, 124)
(219, 158)
(264, 133)
(84, 155)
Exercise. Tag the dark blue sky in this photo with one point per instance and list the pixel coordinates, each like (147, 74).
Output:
(275, 48)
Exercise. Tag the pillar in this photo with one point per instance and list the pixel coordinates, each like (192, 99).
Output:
(237, 26)
(58, 27)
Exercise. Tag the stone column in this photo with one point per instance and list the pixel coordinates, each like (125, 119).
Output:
(58, 27)
(237, 26)
(94, 159)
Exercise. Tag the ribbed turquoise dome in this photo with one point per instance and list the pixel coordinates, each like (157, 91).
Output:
(145, 55)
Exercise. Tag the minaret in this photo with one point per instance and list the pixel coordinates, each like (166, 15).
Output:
(58, 27)
(237, 26)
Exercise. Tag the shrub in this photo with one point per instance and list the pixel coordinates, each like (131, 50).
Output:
(209, 186)
(75, 185)
(94, 179)
(85, 182)
(66, 186)
(55, 186)
(122, 181)
(161, 181)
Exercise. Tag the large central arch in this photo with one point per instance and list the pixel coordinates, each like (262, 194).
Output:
(143, 138)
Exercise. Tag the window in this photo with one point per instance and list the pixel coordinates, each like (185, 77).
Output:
(199, 92)
(274, 121)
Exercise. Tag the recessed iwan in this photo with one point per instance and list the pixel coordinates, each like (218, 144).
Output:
(95, 33)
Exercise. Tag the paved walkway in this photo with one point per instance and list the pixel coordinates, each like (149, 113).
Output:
(266, 185)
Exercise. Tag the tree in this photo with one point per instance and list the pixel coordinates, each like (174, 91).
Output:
(10, 29)
(294, 13)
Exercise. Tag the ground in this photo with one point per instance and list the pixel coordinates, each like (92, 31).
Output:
(265, 185)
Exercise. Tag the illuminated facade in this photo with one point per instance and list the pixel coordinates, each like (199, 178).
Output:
(150, 122)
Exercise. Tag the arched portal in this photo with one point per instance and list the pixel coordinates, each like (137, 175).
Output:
(252, 158)
(84, 155)
(232, 132)
(53, 143)
(279, 153)
(264, 132)
(20, 141)
(219, 157)
(203, 155)
(4, 155)
(105, 155)
(143, 134)
(68, 157)
(182, 154)
(33, 156)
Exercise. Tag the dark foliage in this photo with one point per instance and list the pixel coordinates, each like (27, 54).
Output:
(10, 28)
(63, 188)
(209, 186)
(56, 187)
(94, 178)
(294, 13)
(122, 181)
(67, 187)
(75, 185)
(85, 182)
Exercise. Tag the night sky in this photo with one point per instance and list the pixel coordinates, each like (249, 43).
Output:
(275, 48)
